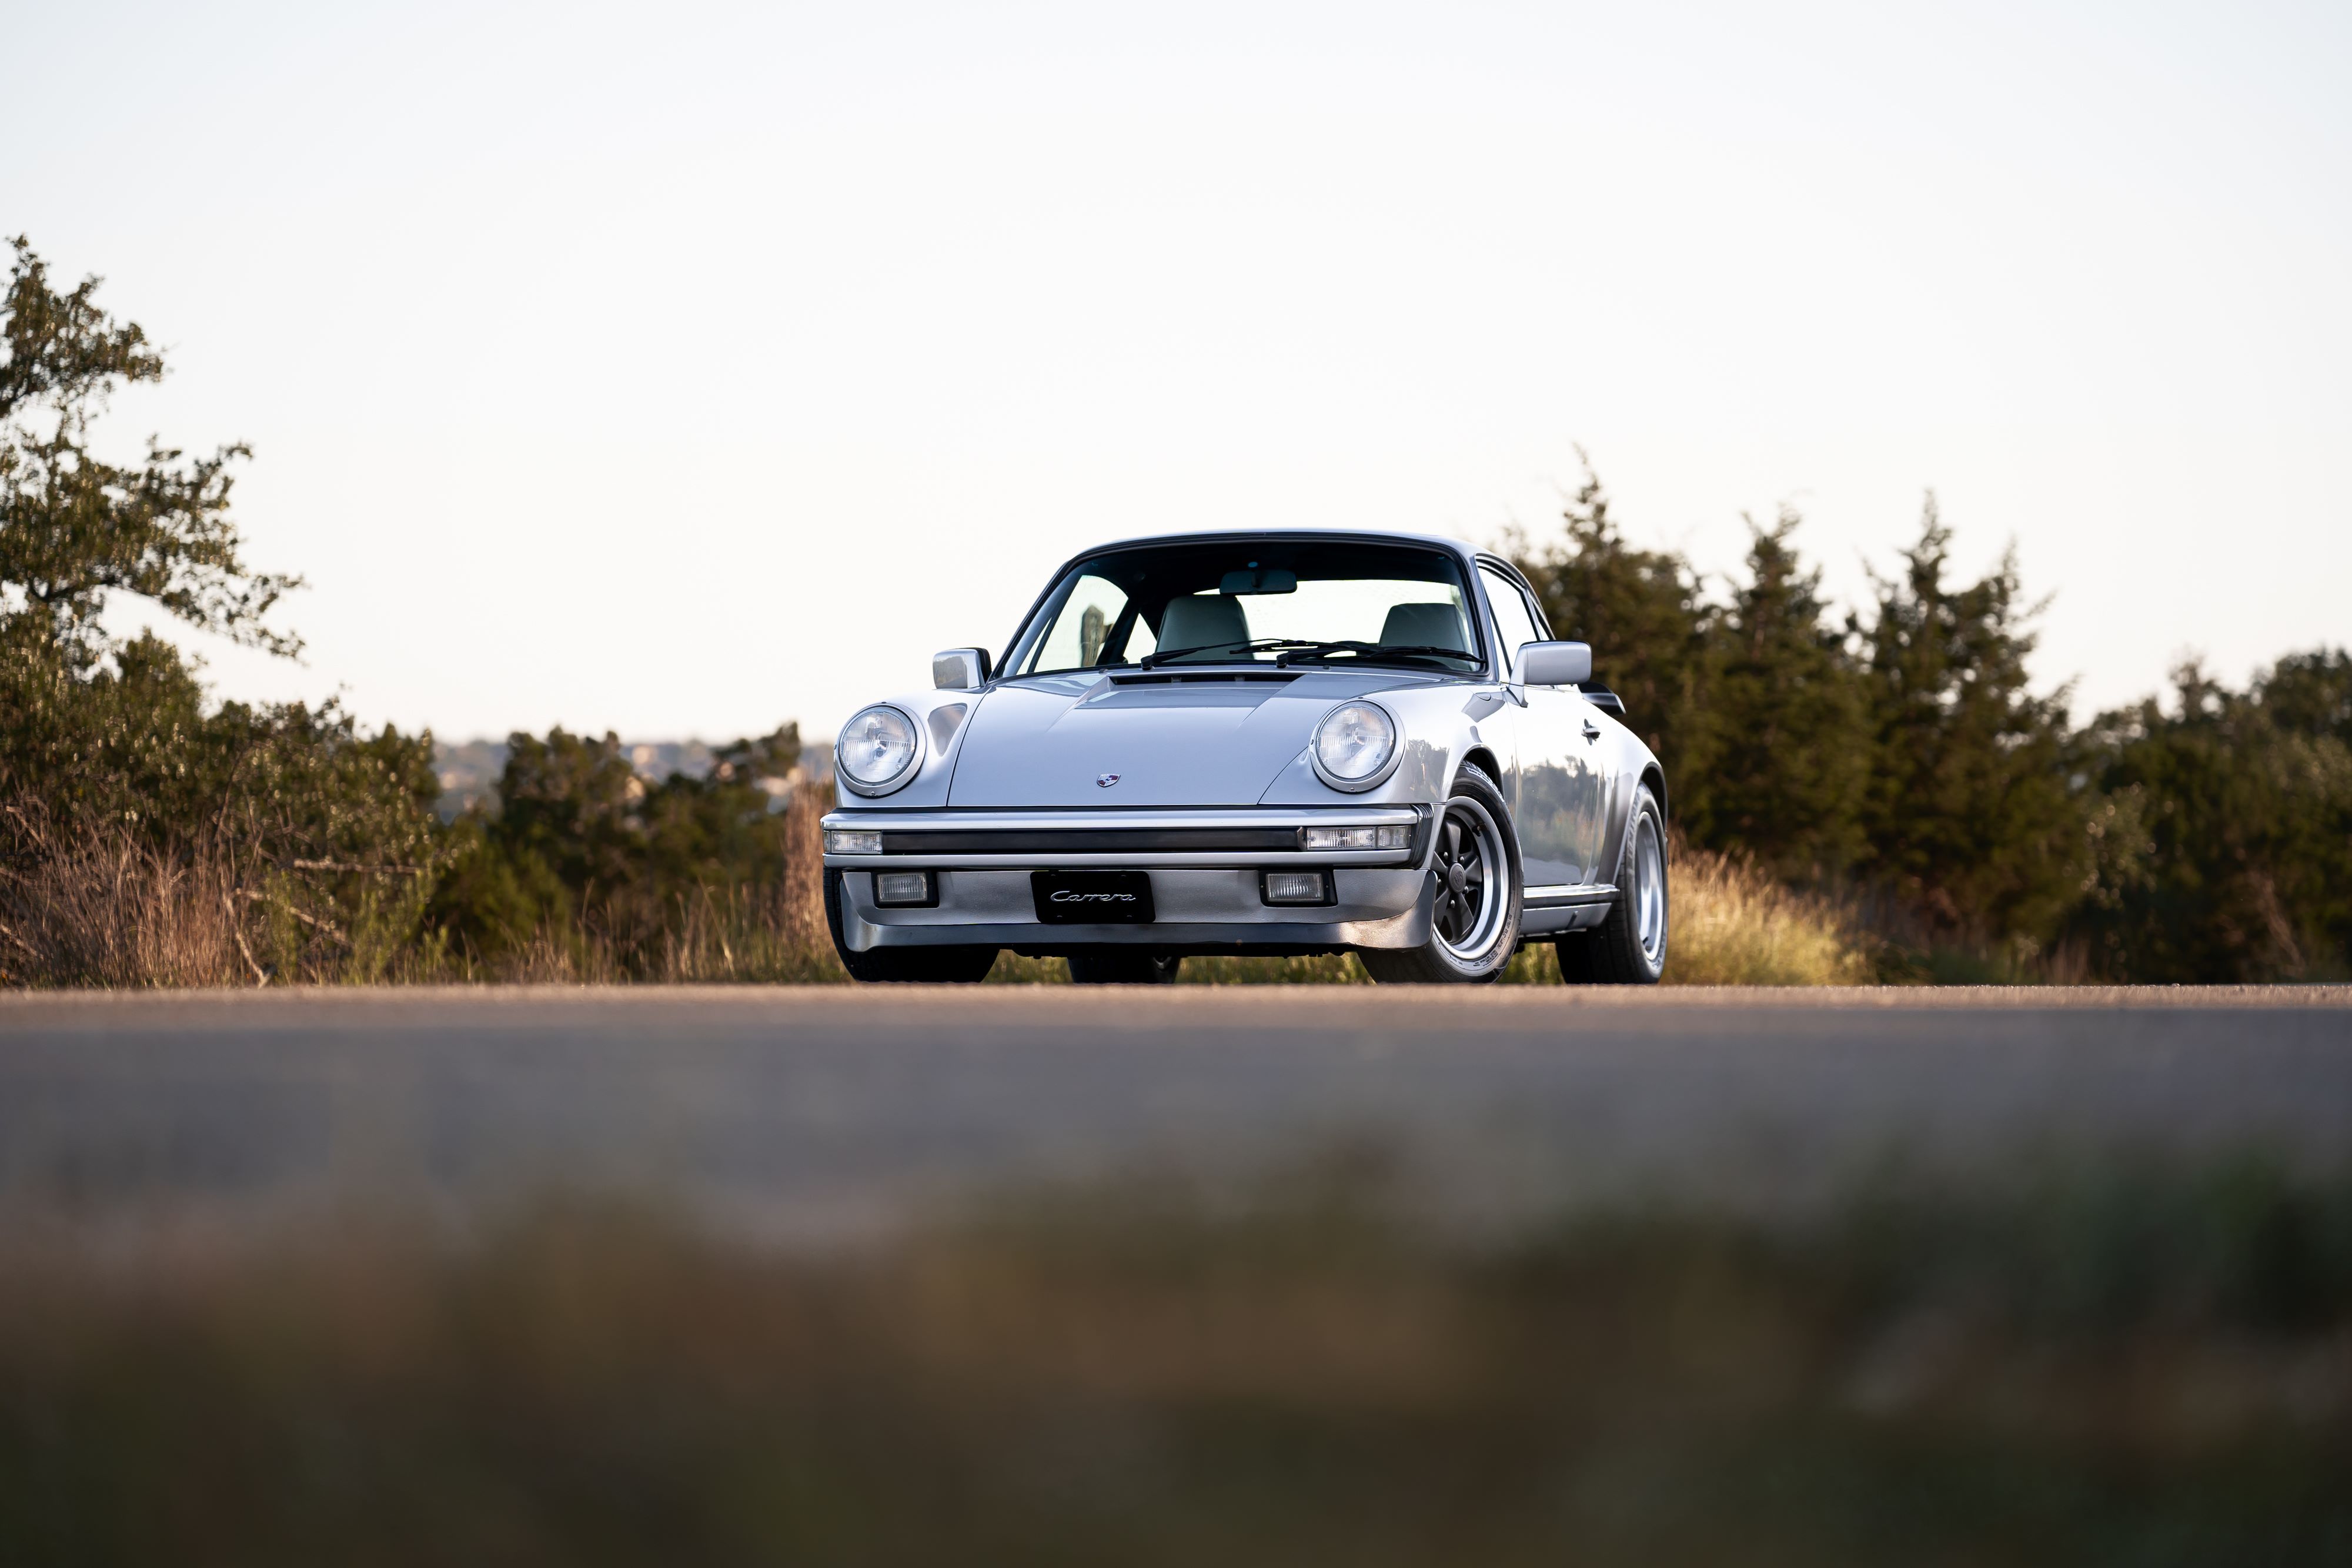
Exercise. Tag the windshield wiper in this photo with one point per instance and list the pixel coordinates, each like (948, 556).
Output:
(1293, 649)
(1239, 645)
(1365, 652)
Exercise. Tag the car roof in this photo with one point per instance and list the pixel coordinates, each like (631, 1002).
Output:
(1461, 548)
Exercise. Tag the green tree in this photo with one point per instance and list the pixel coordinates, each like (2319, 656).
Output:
(722, 829)
(130, 747)
(100, 736)
(580, 844)
(2240, 807)
(76, 528)
(111, 733)
(2310, 694)
(1970, 816)
(1787, 772)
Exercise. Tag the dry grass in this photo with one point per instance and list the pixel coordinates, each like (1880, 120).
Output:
(739, 935)
(105, 911)
(1731, 925)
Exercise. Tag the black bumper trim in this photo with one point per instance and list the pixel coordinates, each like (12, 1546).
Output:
(1087, 840)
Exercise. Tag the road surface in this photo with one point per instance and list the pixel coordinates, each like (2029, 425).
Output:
(816, 1111)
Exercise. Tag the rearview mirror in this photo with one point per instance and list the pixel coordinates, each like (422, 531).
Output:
(960, 670)
(1555, 664)
(1270, 579)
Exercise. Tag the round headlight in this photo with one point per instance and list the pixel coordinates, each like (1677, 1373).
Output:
(876, 749)
(1354, 746)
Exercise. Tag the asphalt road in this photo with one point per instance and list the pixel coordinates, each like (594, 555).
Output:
(815, 1112)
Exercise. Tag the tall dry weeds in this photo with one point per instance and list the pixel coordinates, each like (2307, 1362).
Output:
(1730, 924)
(101, 907)
(103, 910)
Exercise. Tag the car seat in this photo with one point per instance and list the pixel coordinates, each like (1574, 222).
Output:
(1425, 626)
(1205, 621)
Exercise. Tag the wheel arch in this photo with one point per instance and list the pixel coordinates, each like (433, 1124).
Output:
(1655, 777)
(1480, 758)
(1621, 832)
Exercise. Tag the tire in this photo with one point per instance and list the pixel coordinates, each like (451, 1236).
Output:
(1122, 966)
(1475, 920)
(1629, 948)
(915, 966)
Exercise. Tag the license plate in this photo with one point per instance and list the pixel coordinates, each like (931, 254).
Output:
(1092, 897)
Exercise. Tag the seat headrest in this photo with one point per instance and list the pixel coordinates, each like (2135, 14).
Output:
(1427, 625)
(1200, 620)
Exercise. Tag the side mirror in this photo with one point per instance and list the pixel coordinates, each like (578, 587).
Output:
(960, 670)
(1555, 664)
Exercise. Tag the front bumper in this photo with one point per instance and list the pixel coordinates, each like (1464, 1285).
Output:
(1204, 866)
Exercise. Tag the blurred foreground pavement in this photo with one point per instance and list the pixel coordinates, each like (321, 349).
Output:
(1165, 1278)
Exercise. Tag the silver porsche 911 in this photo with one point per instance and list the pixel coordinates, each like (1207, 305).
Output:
(1261, 742)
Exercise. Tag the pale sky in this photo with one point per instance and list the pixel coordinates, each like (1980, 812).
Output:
(683, 370)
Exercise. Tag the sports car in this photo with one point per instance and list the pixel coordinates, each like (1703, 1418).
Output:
(1255, 743)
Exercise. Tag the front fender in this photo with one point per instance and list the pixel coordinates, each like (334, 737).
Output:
(1440, 726)
(943, 717)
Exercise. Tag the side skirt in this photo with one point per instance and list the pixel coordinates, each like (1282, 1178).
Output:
(1552, 910)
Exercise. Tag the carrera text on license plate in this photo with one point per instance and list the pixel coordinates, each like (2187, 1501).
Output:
(1092, 897)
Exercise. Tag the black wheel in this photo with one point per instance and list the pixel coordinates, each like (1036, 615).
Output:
(1124, 966)
(1474, 899)
(914, 965)
(1629, 948)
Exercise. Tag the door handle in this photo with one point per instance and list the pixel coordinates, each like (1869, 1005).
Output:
(1592, 730)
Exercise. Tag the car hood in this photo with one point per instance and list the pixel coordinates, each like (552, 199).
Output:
(1050, 741)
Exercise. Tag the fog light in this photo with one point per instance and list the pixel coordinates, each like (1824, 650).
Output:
(1392, 838)
(898, 889)
(1297, 887)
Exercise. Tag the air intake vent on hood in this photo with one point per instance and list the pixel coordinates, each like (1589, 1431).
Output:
(1206, 677)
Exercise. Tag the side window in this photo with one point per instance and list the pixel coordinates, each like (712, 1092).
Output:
(1511, 616)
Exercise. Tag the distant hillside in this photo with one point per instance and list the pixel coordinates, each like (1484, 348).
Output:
(469, 769)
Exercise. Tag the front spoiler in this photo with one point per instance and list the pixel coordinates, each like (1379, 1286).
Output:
(1199, 910)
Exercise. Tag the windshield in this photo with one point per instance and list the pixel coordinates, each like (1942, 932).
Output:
(1260, 602)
